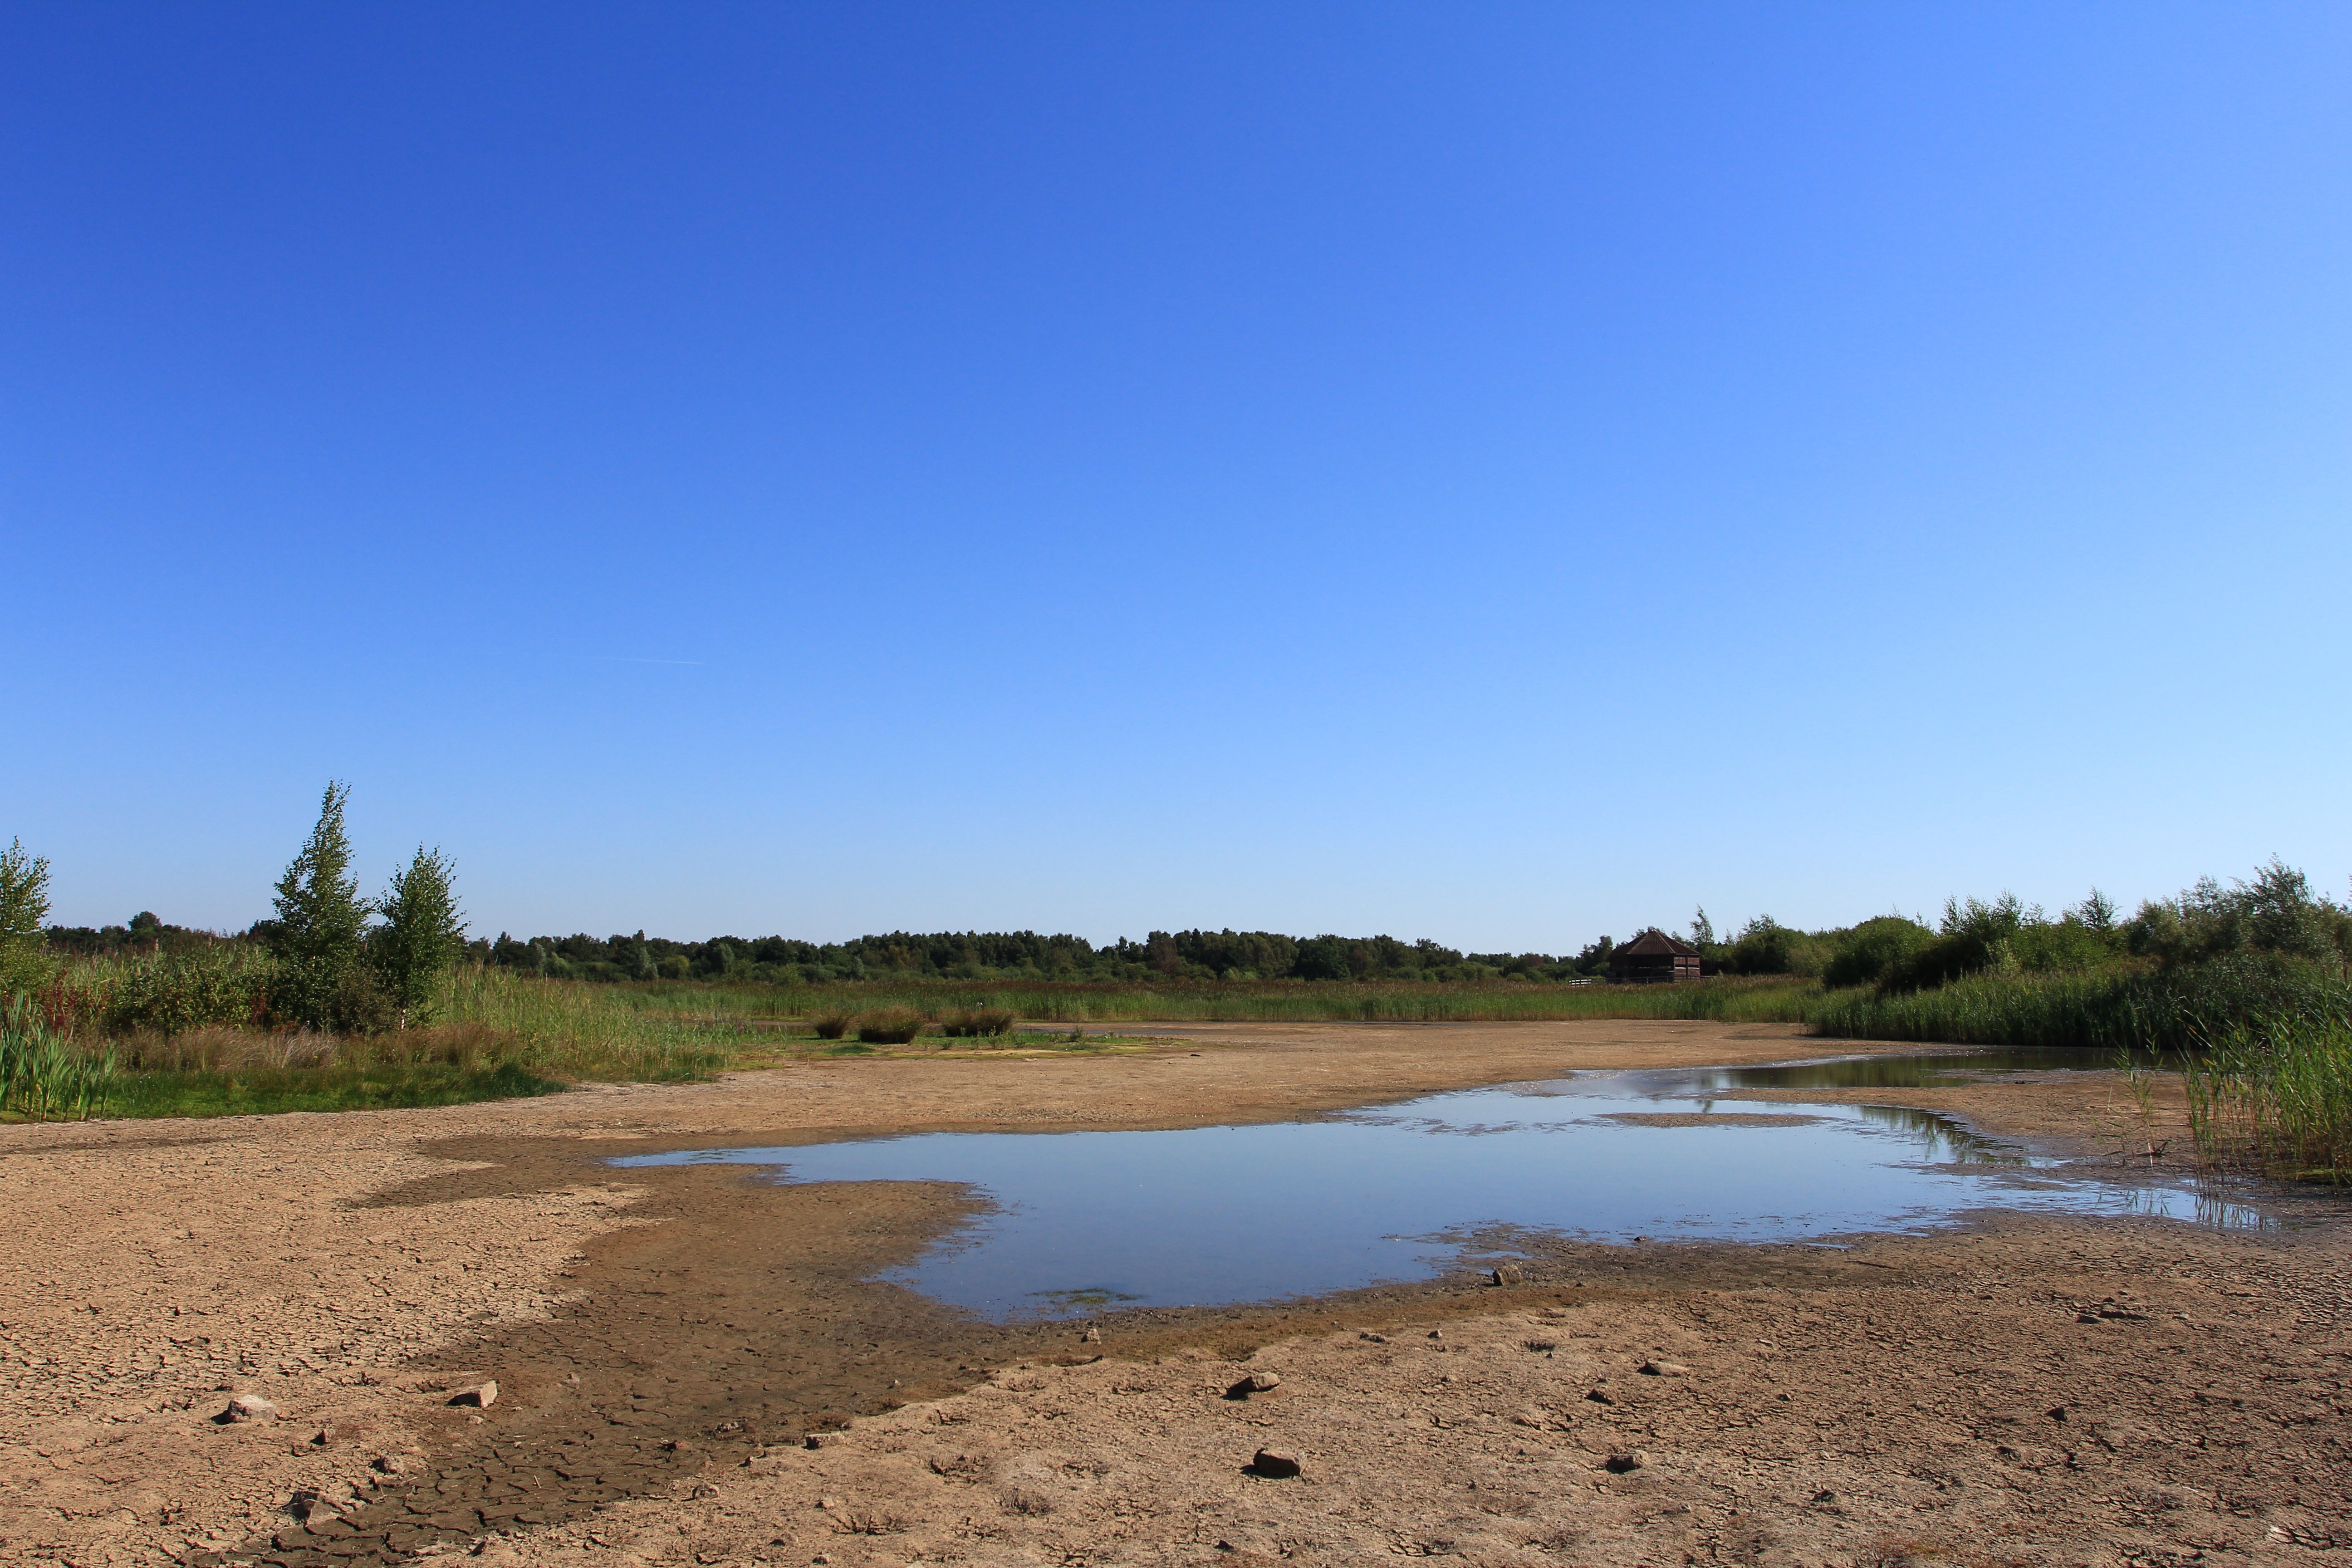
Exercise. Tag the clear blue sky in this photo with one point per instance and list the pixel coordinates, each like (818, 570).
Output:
(1498, 474)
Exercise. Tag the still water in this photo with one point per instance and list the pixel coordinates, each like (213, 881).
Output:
(1083, 1221)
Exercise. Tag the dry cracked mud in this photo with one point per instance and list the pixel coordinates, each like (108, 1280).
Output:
(666, 1343)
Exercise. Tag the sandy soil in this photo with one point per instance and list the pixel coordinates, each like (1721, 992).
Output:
(667, 1343)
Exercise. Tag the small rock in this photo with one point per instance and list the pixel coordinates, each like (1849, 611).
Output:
(2086, 1317)
(395, 1464)
(1625, 1463)
(247, 1407)
(820, 1439)
(481, 1397)
(1598, 1397)
(1437, 1334)
(677, 1445)
(1374, 1338)
(1273, 1465)
(828, 1503)
(1541, 1344)
(1664, 1369)
(1256, 1382)
(1505, 1274)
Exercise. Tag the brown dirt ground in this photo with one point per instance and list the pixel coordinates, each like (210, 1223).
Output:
(665, 1342)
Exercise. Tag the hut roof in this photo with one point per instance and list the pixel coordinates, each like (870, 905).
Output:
(1654, 945)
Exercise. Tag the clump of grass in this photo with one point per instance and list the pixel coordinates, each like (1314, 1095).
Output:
(977, 1022)
(890, 1027)
(832, 1026)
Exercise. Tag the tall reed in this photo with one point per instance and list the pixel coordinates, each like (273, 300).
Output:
(2275, 1095)
(1073, 1002)
(43, 1077)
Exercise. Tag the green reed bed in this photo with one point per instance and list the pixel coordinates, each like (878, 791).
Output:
(1733, 1001)
(2123, 1006)
(44, 1076)
(147, 1037)
(2276, 1097)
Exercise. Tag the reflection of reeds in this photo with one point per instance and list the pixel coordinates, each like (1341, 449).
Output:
(2277, 1097)
(2142, 1085)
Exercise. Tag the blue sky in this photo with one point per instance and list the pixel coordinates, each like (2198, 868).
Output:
(1502, 473)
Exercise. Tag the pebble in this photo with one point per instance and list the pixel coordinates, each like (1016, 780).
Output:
(248, 1407)
(1508, 1274)
(1275, 1465)
(481, 1397)
(1626, 1462)
(1374, 1338)
(1664, 1369)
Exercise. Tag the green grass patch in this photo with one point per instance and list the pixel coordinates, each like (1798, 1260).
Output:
(266, 1091)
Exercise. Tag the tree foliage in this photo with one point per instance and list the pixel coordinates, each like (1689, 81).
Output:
(23, 907)
(321, 930)
(423, 933)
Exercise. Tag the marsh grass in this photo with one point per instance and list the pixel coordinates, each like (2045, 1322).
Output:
(2123, 1006)
(43, 1075)
(1777, 1000)
(505, 1035)
(2276, 1097)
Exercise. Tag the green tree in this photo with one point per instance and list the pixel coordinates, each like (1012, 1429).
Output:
(321, 927)
(24, 913)
(422, 935)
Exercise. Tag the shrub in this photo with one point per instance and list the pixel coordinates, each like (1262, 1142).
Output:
(832, 1026)
(890, 1027)
(1765, 946)
(2275, 912)
(1875, 948)
(969, 1023)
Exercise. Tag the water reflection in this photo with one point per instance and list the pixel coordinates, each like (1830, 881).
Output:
(1079, 1221)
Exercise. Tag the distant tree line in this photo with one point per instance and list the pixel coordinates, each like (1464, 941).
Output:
(1190, 955)
(2275, 912)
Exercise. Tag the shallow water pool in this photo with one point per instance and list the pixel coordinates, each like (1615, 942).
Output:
(1212, 1215)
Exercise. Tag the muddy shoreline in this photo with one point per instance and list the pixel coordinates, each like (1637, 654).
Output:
(665, 1341)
